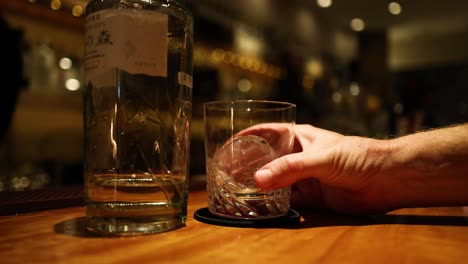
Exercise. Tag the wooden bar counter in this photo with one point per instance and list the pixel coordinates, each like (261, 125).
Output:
(419, 235)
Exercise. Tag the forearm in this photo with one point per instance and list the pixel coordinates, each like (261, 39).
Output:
(430, 168)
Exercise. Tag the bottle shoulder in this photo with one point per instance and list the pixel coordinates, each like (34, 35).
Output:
(171, 7)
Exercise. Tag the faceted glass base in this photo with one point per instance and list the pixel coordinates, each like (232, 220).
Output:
(112, 226)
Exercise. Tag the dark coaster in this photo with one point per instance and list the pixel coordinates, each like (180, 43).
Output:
(204, 215)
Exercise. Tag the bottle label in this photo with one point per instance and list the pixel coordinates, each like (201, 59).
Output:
(128, 39)
(184, 79)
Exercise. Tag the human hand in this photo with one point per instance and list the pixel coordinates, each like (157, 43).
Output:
(247, 151)
(327, 170)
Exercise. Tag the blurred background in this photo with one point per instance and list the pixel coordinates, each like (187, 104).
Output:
(374, 68)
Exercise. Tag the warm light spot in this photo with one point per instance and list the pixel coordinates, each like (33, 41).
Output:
(229, 57)
(324, 3)
(247, 43)
(72, 84)
(235, 60)
(55, 4)
(65, 63)
(251, 64)
(256, 65)
(315, 68)
(32, 1)
(337, 97)
(354, 89)
(394, 8)
(243, 62)
(357, 24)
(244, 85)
(77, 11)
(373, 103)
(218, 55)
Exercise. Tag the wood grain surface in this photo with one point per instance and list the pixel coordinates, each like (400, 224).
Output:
(419, 235)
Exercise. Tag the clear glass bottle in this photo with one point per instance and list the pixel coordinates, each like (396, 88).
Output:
(137, 111)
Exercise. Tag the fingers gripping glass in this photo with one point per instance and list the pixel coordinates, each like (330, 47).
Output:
(236, 146)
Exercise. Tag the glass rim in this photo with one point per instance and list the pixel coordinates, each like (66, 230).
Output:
(268, 104)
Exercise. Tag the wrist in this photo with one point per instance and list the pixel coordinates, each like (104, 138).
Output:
(424, 171)
(383, 189)
(392, 179)
(408, 173)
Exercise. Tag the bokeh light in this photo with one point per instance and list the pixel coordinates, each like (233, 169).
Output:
(324, 3)
(65, 63)
(55, 4)
(357, 24)
(394, 8)
(72, 84)
(77, 11)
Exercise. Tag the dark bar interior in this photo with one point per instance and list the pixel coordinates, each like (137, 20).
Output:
(356, 67)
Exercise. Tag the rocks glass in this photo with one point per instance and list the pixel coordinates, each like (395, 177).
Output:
(238, 142)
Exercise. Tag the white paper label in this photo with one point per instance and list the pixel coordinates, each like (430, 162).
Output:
(131, 40)
(184, 79)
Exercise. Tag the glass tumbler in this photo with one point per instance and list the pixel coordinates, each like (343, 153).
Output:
(240, 138)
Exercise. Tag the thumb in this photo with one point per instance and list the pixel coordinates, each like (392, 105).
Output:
(282, 172)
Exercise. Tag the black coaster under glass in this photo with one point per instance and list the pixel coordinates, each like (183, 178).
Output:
(204, 215)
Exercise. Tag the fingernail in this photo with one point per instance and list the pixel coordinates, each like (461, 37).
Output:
(263, 178)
